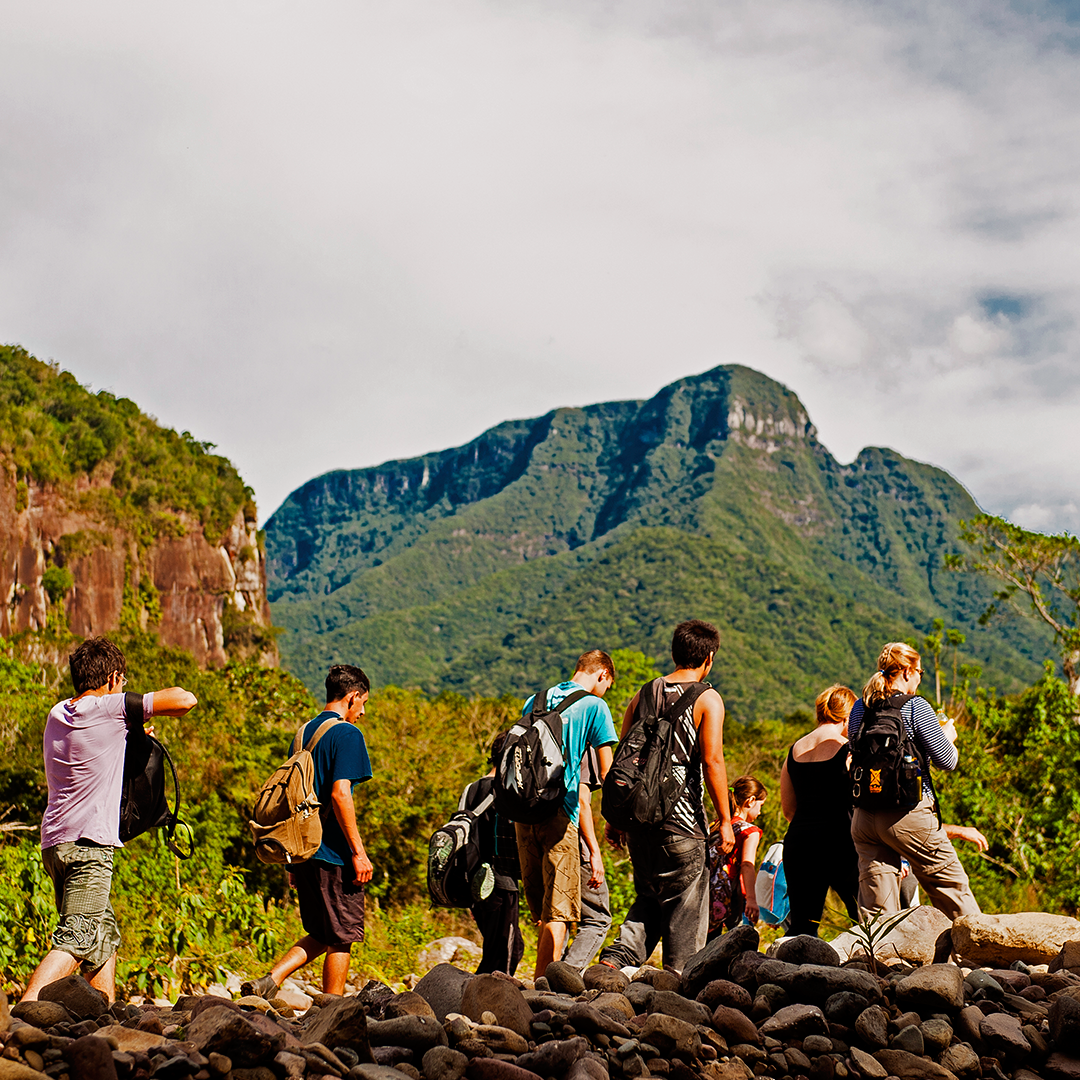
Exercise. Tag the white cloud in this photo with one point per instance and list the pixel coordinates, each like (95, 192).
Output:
(327, 235)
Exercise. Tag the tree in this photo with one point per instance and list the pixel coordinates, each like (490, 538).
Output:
(1044, 568)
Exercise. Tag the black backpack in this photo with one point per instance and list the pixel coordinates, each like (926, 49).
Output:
(144, 801)
(641, 788)
(530, 785)
(454, 858)
(886, 765)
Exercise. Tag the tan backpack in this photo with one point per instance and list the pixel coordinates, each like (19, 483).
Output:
(285, 823)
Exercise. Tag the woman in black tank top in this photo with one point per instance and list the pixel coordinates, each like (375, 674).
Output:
(815, 796)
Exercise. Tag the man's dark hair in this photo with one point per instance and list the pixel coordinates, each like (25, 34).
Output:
(344, 679)
(496, 746)
(692, 642)
(93, 662)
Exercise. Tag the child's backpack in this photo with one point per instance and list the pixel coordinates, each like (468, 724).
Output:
(886, 766)
(643, 784)
(770, 887)
(454, 858)
(144, 800)
(529, 776)
(720, 898)
(285, 822)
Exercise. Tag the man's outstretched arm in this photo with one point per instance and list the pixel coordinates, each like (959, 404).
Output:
(176, 701)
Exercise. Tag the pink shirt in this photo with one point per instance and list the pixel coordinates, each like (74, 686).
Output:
(84, 749)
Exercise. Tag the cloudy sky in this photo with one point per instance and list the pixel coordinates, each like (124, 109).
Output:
(329, 234)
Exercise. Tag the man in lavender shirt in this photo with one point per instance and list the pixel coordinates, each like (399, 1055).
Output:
(84, 744)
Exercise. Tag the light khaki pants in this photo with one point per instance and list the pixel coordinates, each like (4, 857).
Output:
(883, 837)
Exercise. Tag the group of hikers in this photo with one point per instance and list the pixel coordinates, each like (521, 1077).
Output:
(857, 792)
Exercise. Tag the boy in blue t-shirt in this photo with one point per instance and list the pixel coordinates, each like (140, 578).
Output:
(550, 860)
(330, 885)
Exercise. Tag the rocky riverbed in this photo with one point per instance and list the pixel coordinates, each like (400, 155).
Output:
(736, 1013)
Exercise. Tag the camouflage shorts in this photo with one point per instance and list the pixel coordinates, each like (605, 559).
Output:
(82, 879)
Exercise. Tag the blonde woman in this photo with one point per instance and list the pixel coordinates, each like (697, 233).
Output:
(815, 797)
(883, 837)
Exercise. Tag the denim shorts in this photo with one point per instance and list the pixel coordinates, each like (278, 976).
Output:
(81, 872)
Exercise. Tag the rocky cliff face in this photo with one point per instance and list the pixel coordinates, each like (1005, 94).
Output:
(202, 596)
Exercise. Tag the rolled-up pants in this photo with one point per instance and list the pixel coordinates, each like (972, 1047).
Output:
(883, 837)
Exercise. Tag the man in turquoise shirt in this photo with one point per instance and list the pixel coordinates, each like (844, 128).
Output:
(550, 858)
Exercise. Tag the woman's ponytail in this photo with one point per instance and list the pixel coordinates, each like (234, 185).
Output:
(895, 660)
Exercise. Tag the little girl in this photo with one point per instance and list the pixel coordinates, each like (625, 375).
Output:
(732, 877)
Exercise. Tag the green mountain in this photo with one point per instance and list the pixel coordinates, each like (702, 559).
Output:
(489, 567)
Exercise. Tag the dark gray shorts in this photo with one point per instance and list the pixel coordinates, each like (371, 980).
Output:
(81, 873)
(331, 903)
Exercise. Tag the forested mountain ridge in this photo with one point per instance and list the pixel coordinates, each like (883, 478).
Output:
(484, 567)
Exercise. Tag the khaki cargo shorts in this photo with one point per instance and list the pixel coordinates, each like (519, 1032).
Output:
(81, 873)
(551, 869)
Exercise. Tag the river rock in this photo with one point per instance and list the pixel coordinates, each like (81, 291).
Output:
(41, 1014)
(130, 1040)
(735, 1025)
(961, 1060)
(602, 977)
(909, 1067)
(341, 1024)
(416, 1033)
(1064, 1021)
(639, 994)
(364, 1071)
(931, 989)
(589, 1020)
(489, 993)
(500, 1040)
(1068, 959)
(587, 1068)
(442, 1063)
(671, 1036)
(225, 1031)
(442, 988)
(564, 979)
(844, 1007)
(725, 992)
(410, 1003)
(908, 1038)
(672, 1004)
(937, 1034)
(554, 1058)
(743, 969)
(91, 1057)
(1001, 1033)
(713, 960)
(615, 1005)
(807, 949)
(796, 1022)
(1062, 1067)
(77, 996)
(872, 1027)
(913, 940)
(1035, 937)
(984, 981)
(493, 1069)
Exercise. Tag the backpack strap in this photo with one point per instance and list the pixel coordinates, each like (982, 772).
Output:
(690, 694)
(320, 731)
(483, 806)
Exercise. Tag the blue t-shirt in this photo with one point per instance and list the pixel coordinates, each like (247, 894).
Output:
(340, 754)
(585, 723)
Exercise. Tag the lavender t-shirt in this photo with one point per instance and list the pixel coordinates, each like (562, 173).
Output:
(84, 746)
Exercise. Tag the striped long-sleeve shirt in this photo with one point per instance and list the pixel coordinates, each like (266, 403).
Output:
(924, 727)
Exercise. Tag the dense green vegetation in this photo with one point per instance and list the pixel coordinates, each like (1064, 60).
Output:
(188, 923)
(53, 431)
(487, 568)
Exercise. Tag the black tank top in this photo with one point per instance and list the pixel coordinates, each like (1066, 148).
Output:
(822, 789)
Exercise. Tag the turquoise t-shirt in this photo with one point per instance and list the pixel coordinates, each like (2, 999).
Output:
(585, 723)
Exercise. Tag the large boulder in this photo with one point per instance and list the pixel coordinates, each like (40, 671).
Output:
(225, 1031)
(342, 1024)
(912, 941)
(713, 960)
(932, 989)
(489, 993)
(77, 996)
(441, 988)
(806, 949)
(1036, 937)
